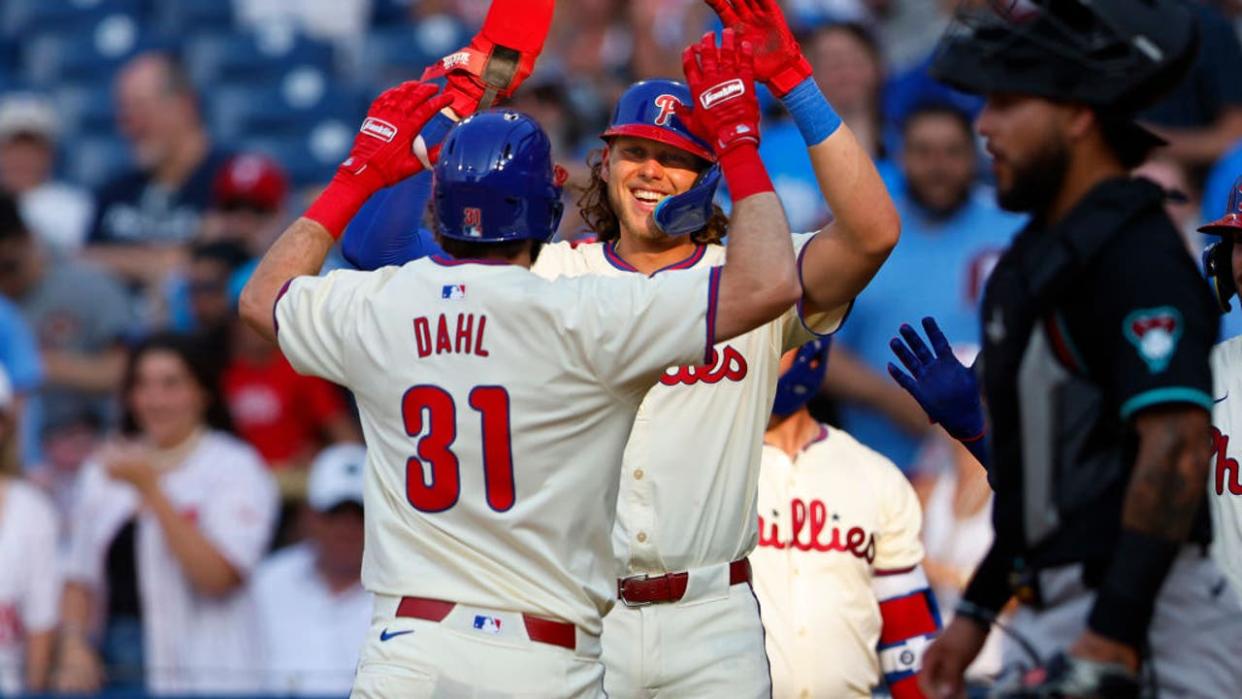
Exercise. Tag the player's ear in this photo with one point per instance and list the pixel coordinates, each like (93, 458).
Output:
(603, 163)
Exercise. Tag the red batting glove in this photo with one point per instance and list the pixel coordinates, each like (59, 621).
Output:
(779, 62)
(726, 109)
(383, 153)
(499, 58)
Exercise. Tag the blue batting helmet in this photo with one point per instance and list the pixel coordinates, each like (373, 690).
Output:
(801, 382)
(649, 110)
(495, 180)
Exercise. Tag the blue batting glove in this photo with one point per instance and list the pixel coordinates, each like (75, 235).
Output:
(947, 391)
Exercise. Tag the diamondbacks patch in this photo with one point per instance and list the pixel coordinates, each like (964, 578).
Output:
(1154, 332)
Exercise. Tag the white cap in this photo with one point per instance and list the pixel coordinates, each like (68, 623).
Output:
(6, 390)
(26, 113)
(336, 476)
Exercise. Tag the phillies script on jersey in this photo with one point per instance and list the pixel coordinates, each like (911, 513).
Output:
(809, 531)
(727, 364)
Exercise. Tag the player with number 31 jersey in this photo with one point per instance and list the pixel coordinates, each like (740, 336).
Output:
(496, 404)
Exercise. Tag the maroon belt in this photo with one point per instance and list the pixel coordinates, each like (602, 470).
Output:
(556, 633)
(642, 590)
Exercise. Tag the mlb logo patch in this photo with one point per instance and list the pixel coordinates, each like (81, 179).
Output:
(472, 222)
(452, 292)
(1154, 332)
(486, 624)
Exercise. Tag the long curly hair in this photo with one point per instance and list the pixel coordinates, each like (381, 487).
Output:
(597, 213)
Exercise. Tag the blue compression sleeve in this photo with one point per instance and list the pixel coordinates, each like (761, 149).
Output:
(387, 230)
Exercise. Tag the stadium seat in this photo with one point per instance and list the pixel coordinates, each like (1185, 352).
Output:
(87, 54)
(180, 18)
(391, 55)
(91, 162)
(86, 110)
(214, 59)
(25, 18)
(292, 104)
(387, 13)
(310, 157)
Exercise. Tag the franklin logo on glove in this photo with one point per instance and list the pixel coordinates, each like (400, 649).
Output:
(722, 93)
(379, 129)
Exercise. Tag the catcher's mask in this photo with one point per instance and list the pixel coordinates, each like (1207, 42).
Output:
(1117, 56)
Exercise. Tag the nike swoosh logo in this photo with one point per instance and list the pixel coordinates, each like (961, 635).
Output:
(1222, 398)
(386, 636)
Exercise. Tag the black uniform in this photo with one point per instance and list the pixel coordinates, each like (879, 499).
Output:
(1085, 324)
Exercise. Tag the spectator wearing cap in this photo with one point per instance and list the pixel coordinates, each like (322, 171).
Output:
(29, 575)
(79, 314)
(144, 216)
(948, 226)
(248, 200)
(57, 212)
(313, 612)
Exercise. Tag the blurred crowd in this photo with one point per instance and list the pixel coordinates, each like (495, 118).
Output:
(164, 469)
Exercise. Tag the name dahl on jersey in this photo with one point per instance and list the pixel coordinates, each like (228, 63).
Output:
(462, 335)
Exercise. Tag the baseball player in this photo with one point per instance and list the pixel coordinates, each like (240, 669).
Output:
(838, 570)
(496, 404)
(1224, 265)
(1094, 369)
(688, 624)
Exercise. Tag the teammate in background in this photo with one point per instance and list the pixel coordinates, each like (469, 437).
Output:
(838, 571)
(688, 625)
(313, 613)
(1094, 369)
(496, 403)
(1223, 261)
(29, 574)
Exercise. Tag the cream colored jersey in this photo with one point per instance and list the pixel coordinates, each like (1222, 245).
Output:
(1225, 477)
(830, 521)
(692, 461)
(495, 407)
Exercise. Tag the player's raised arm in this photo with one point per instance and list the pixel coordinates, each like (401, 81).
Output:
(382, 156)
(759, 280)
(846, 254)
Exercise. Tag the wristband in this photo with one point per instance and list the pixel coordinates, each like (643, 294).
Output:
(436, 128)
(812, 113)
(989, 588)
(1127, 598)
(744, 172)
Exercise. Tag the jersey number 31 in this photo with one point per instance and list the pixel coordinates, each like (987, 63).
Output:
(440, 492)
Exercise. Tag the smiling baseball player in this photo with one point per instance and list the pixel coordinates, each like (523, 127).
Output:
(689, 624)
(839, 568)
(496, 404)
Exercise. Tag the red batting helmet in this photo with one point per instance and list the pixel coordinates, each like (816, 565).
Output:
(1231, 222)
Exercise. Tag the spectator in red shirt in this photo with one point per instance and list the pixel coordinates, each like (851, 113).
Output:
(287, 417)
